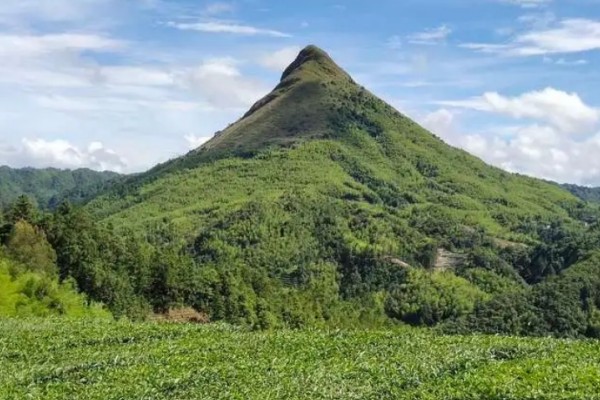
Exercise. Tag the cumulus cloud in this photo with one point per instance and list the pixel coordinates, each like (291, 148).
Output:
(221, 83)
(533, 149)
(541, 151)
(431, 36)
(280, 59)
(564, 111)
(227, 27)
(62, 154)
(441, 120)
(195, 141)
(566, 36)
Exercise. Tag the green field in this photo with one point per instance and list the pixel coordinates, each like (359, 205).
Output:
(96, 359)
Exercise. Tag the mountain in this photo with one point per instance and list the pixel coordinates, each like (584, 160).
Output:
(324, 205)
(47, 186)
(320, 133)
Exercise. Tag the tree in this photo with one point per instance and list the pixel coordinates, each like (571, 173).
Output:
(22, 210)
(28, 246)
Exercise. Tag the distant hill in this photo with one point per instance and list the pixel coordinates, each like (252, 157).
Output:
(48, 186)
(585, 193)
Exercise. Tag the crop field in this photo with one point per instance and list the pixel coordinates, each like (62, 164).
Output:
(99, 359)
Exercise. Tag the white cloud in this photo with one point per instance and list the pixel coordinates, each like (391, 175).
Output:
(567, 36)
(431, 36)
(22, 46)
(222, 84)
(537, 149)
(280, 59)
(441, 120)
(565, 111)
(540, 151)
(195, 141)
(227, 27)
(564, 62)
(62, 154)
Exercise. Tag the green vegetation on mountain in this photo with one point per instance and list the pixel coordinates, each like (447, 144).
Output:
(50, 186)
(52, 359)
(324, 206)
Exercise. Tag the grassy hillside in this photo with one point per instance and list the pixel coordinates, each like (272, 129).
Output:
(48, 186)
(50, 359)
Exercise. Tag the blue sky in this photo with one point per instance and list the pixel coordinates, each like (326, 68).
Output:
(124, 84)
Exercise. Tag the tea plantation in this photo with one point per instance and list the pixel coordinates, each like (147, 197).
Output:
(102, 359)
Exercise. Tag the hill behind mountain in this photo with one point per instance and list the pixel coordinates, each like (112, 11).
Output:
(50, 185)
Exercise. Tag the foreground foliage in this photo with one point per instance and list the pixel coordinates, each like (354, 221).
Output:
(50, 359)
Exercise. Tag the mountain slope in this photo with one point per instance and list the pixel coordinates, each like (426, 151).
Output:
(47, 186)
(323, 203)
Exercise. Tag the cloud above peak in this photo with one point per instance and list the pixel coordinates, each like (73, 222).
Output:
(227, 27)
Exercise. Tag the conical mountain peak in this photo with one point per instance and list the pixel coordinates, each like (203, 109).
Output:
(304, 105)
(314, 62)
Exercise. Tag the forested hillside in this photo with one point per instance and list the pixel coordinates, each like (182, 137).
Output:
(48, 187)
(324, 206)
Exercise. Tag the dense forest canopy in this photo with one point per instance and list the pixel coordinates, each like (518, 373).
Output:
(324, 206)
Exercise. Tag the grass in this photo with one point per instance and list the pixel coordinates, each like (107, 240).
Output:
(57, 359)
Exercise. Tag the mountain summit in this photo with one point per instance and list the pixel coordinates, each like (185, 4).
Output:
(302, 106)
(316, 62)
